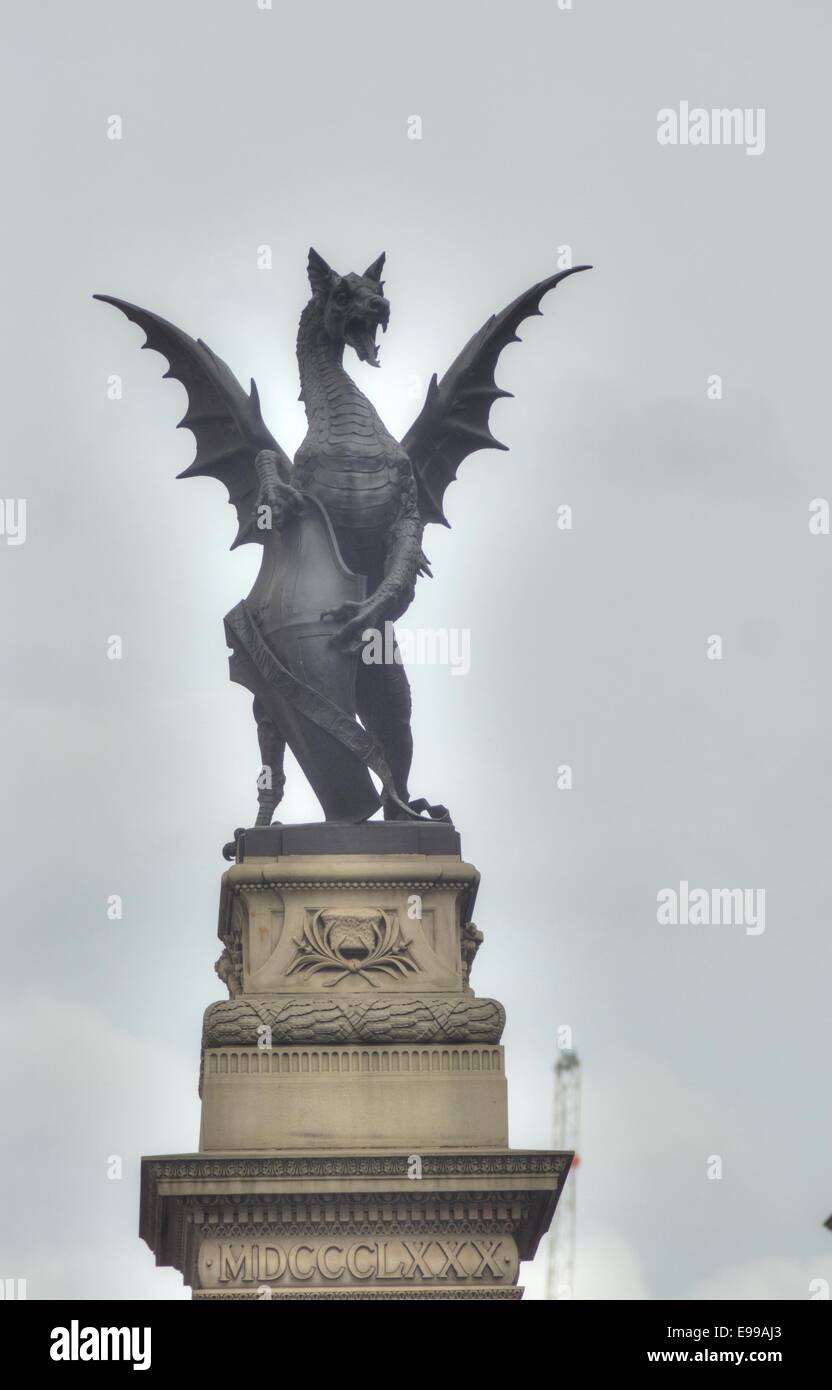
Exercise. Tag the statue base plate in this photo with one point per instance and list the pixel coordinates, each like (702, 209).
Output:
(343, 837)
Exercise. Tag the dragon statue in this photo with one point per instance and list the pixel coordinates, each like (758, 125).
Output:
(341, 530)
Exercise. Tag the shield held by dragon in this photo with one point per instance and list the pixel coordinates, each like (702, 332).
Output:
(341, 529)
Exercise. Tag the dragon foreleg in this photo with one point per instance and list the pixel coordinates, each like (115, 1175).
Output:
(395, 592)
(276, 492)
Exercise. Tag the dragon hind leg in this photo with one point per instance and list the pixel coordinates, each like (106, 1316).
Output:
(384, 708)
(272, 779)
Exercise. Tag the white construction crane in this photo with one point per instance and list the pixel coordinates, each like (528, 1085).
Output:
(560, 1278)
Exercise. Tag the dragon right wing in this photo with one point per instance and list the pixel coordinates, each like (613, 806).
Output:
(453, 422)
(226, 423)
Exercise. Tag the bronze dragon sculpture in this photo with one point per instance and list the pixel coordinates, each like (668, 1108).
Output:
(341, 530)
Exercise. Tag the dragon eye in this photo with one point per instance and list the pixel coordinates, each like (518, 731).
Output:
(342, 297)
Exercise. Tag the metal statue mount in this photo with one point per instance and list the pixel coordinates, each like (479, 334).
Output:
(341, 530)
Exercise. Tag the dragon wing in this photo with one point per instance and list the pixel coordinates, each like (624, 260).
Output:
(453, 421)
(226, 423)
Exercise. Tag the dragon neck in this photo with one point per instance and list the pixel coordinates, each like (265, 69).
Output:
(320, 362)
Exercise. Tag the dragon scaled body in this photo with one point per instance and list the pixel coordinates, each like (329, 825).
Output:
(341, 529)
(349, 460)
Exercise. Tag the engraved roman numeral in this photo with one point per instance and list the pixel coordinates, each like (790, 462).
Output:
(451, 1250)
(417, 1250)
(487, 1250)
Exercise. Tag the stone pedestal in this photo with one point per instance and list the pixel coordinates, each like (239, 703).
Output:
(354, 1138)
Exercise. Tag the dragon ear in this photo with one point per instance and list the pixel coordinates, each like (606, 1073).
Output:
(373, 272)
(320, 274)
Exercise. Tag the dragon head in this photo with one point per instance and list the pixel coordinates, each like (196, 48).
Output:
(353, 306)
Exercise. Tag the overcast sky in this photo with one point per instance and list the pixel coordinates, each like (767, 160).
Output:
(245, 128)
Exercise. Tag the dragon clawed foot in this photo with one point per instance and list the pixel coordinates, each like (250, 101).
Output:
(280, 501)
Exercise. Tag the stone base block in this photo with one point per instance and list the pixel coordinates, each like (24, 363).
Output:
(450, 1225)
(322, 1098)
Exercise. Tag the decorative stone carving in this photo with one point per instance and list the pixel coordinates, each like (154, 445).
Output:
(346, 1214)
(209, 1168)
(229, 967)
(379, 1018)
(363, 941)
(470, 943)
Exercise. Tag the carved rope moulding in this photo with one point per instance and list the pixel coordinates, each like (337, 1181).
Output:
(379, 1018)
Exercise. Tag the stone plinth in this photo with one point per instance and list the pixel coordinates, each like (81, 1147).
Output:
(348, 924)
(354, 1137)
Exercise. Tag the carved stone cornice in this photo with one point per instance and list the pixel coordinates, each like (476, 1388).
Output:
(410, 873)
(509, 1163)
(353, 870)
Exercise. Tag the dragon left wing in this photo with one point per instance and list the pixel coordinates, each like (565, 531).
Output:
(226, 423)
(453, 421)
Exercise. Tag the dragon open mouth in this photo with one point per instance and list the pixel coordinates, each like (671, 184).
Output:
(360, 333)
